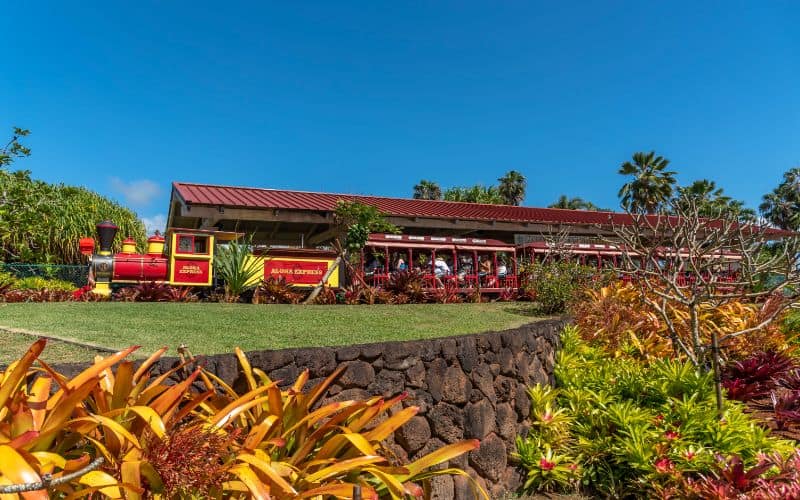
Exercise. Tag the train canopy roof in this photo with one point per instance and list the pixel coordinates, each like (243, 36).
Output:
(300, 217)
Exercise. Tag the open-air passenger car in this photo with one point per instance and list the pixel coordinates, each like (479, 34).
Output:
(465, 263)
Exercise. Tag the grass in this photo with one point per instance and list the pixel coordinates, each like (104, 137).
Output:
(13, 345)
(216, 328)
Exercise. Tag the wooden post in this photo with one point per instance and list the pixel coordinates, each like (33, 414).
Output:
(357, 492)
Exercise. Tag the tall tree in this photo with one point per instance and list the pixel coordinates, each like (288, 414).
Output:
(427, 190)
(575, 203)
(13, 148)
(711, 200)
(41, 222)
(781, 207)
(652, 185)
(706, 244)
(512, 187)
(474, 194)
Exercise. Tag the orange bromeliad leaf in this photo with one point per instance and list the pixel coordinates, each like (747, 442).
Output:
(441, 455)
(257, 489)
(17, 470)
(16, 372)
(340, 490)
(343, 467)
(266, 468)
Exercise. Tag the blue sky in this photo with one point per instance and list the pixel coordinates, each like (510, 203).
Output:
(370, 97)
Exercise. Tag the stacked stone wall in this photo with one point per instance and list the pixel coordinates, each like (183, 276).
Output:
(466, 387)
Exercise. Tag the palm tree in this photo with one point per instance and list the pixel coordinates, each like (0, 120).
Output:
(474, 194)
(575, 203)
(427, 190)
(712, 201)
(652, 185)
(512, 187)
(781, 207)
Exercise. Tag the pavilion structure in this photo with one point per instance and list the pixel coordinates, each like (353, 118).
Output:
(280, 217)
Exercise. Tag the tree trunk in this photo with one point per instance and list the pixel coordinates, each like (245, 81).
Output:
(318, 288)
(717, 374)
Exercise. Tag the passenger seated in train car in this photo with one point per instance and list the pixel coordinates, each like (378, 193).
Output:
(398, 262)
(485, 268)
(373, 265)
(440, 267)
(464, 267)
(502, 268)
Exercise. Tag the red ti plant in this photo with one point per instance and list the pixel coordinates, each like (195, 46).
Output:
(756, 375)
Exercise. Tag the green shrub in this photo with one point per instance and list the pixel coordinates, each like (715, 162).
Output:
(236, 268)
(554, 284)
(791, 326)
(39, 283)
(620, 427)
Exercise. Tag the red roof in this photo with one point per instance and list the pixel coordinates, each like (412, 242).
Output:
(246, 197)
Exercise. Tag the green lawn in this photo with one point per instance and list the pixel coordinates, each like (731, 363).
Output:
(213, 328)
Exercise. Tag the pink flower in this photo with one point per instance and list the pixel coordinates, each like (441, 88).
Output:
(573, 467)
(546, 464)
(663, 465)
(689, 454)
(670, 435)
(547, 417)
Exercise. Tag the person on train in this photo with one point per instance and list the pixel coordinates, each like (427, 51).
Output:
(440, 267)
(399, 263)
(373, 265)
(486, 266)
(502, 270)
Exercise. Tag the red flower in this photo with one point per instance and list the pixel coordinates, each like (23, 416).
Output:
(663, 465)
(689, 454)
(546, 464)
(547, 417)
(670, 435)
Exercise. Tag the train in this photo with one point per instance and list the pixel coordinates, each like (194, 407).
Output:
(185, 257)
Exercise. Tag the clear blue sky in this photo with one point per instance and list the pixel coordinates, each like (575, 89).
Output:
(370, 97)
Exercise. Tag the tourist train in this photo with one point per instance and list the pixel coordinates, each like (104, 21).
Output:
(185, 257)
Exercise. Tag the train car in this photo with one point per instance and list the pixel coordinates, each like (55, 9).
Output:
(607, 257)
(185, 257)
(466, 263)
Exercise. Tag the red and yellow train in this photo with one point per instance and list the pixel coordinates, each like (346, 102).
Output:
(185, 257)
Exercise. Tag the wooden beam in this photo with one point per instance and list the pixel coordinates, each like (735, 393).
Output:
(322, 237)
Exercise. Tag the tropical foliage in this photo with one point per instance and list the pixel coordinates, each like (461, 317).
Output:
(574, 203)
(652, 185)
(358, 220)
(621, 428)
(509, 191)
(196, 436)
(553, 285)
(616, 319)
(512, 187)
(234, 265)
(427, 190)
(712, 201)
(781, 207)
(41, 222)
(474, 194)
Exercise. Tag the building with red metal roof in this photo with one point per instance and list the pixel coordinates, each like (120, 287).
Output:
(301, 218)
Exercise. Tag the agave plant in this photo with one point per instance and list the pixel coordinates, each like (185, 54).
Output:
(237, 268)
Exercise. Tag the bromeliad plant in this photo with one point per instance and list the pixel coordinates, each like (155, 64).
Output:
(166, 439)
(623, 428)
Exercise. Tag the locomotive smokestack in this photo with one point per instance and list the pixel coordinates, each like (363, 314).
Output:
(106, 231)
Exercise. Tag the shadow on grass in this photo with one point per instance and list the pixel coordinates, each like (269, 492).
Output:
(524, 309)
